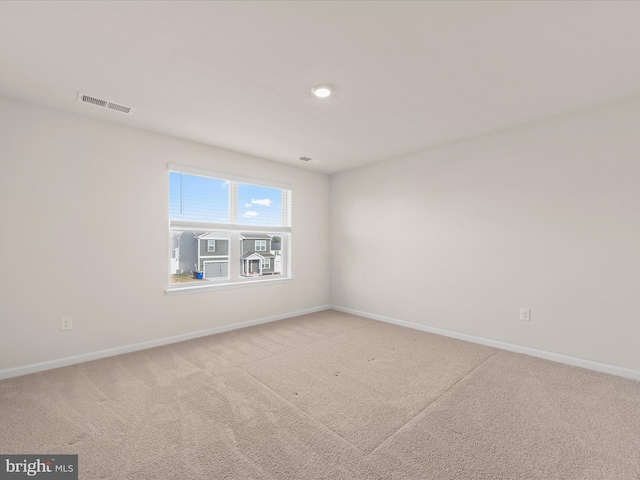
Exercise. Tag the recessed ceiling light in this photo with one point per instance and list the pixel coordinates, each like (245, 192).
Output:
(322, 91)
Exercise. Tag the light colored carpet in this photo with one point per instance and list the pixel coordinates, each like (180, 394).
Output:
(327, 396)
(366, 384)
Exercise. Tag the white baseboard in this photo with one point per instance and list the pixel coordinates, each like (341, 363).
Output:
(534, 352)
(556, 357)
(86, 357)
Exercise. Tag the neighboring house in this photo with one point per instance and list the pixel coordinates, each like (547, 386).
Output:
(213, 255)
(184, 252)
(256, 256)
(206, 252)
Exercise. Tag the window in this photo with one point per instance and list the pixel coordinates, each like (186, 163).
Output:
(226, 230)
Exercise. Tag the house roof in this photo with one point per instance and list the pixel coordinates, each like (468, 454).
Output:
(257, 236)
(179, 233)
(261, 254)
(213, 236)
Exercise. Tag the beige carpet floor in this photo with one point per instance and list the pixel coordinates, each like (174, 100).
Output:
(327, 396)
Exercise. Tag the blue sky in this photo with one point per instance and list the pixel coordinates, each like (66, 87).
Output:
(259, 205)
(203, 199)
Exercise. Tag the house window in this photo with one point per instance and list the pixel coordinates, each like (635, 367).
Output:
(226, 229)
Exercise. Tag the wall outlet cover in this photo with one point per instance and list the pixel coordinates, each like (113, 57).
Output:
(66, 323)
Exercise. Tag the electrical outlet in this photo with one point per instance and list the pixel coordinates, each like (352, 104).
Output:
(313, 287)
(66, 323)
(525, 314)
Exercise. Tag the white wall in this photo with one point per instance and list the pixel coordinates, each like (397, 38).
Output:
(84, 213)
(460, 237)
(545, 216)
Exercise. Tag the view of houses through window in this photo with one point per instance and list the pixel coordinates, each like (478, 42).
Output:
(192, 260)
(227, 230)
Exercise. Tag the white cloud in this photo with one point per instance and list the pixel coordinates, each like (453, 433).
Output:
(250, 214)
(265, 202)
(248, 205)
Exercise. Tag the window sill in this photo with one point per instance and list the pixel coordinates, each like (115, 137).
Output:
(187, 290)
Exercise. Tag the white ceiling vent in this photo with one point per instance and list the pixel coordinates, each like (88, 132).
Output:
(98, 102)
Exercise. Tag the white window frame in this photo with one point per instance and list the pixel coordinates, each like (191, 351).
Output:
(211, 243)
(233, 229)
(263, 246)
(266, 263)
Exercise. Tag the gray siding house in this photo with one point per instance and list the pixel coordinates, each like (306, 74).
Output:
(256, 257)
(206, 252)
(213, 255)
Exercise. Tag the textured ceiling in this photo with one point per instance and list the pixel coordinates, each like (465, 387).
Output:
(408, 75)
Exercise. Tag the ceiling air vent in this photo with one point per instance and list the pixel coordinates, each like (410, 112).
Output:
(98, 102)
(305, 159)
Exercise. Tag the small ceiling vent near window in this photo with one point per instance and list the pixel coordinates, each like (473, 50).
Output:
(99, 102)
(305, 159)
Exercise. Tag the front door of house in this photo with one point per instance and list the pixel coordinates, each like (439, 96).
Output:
(254, 266)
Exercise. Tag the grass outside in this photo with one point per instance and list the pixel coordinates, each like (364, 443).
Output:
(183, 278)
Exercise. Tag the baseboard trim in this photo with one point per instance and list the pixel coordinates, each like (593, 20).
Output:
(86, 357)
(555, 357)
